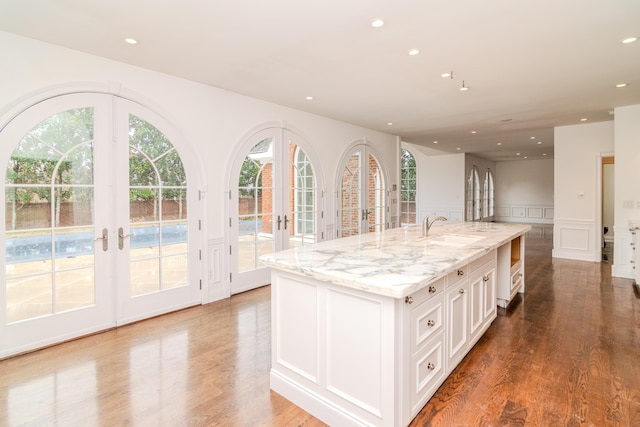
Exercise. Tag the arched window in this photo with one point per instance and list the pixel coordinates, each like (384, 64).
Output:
(408, 188)
(473, 196)
(488, 196)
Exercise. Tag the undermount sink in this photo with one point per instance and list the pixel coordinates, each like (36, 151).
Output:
(453, 240)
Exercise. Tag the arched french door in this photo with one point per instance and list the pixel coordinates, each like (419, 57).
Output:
(362, 193)
(275, 203)
(99, 220)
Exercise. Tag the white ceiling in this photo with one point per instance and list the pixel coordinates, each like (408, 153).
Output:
(529, 65)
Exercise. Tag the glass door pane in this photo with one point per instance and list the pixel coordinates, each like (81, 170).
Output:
(376, 203)
(49, 222)
(255, 206)
(157, 211)
(302, 198)
(351, 196)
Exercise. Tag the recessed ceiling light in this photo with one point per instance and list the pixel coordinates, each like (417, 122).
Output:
(584, 119)
(413, 52)
(517, 154)
(458, 148)
(629, 40)
(539, 142)
(473, 131)
(499, 143)
(309, 98)
(525, 157)
(377, 23)
(390, 124)
(130, 41)
(435, 142)
(445, 75)
(544, 154)
(621, 85)
(532, 137)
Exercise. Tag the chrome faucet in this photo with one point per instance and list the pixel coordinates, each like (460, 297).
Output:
(426, 224)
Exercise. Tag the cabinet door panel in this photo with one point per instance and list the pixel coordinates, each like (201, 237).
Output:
(458, 321)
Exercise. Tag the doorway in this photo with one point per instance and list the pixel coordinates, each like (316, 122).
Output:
(608, 208)
(274, 203)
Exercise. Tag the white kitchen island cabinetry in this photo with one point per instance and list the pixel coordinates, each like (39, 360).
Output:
(365, 329)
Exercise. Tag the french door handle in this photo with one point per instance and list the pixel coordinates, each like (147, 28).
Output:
(279, 221)
(105, 239)
(286, 221)
(121, 237)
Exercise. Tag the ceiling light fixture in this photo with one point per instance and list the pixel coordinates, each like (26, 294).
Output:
(532, 137)
(458, 148)
(129, 40)
(621, 85)
(414, 52)
(309, 98)
(517, 154)
(390, 124)
(445, 75)
(499, 143)
(539, 142)
(629, 40)
(435, 142)
(584, 119)
(473, 131)
(377, 23)
(463, 88)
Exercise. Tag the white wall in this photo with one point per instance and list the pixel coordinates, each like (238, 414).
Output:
(524, 191)
(212, 121)
(578, 152)
(440, 186)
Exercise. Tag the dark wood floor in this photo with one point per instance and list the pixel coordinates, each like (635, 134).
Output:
(565, 354)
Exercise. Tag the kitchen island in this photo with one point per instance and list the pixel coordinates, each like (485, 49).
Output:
(366, 328)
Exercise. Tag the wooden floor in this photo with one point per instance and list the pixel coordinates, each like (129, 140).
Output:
(565, 354)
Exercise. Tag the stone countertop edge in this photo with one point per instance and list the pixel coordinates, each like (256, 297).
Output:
(407, 271)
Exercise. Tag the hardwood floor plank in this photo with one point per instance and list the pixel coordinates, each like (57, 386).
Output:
(566, 353)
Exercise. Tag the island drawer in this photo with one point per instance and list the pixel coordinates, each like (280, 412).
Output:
(427, 320)
(428, 292)
(456, 275)
(428, 372)
(474, 265)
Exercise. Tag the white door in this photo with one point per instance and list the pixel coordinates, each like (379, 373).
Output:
(362, 193)
(67, 193)
(274, 203)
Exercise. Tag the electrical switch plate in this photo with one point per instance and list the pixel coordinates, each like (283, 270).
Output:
(627, 204)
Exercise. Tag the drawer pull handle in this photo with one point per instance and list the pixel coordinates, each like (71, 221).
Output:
(461, 291)
(432, 289)
(408, 300)
(431, 322)
(431, 366)
(460, 272)
(485, 278)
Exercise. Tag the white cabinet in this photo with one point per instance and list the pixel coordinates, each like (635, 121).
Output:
(510, 270)
(471, 306)
(427, 370)
(482, 288)
(635, 252)
(457, 322)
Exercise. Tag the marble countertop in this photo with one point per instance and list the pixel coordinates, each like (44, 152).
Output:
(399, 261)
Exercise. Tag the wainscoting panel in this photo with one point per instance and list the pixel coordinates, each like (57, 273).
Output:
(525, 213)
(575, 239)
(452, 214)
